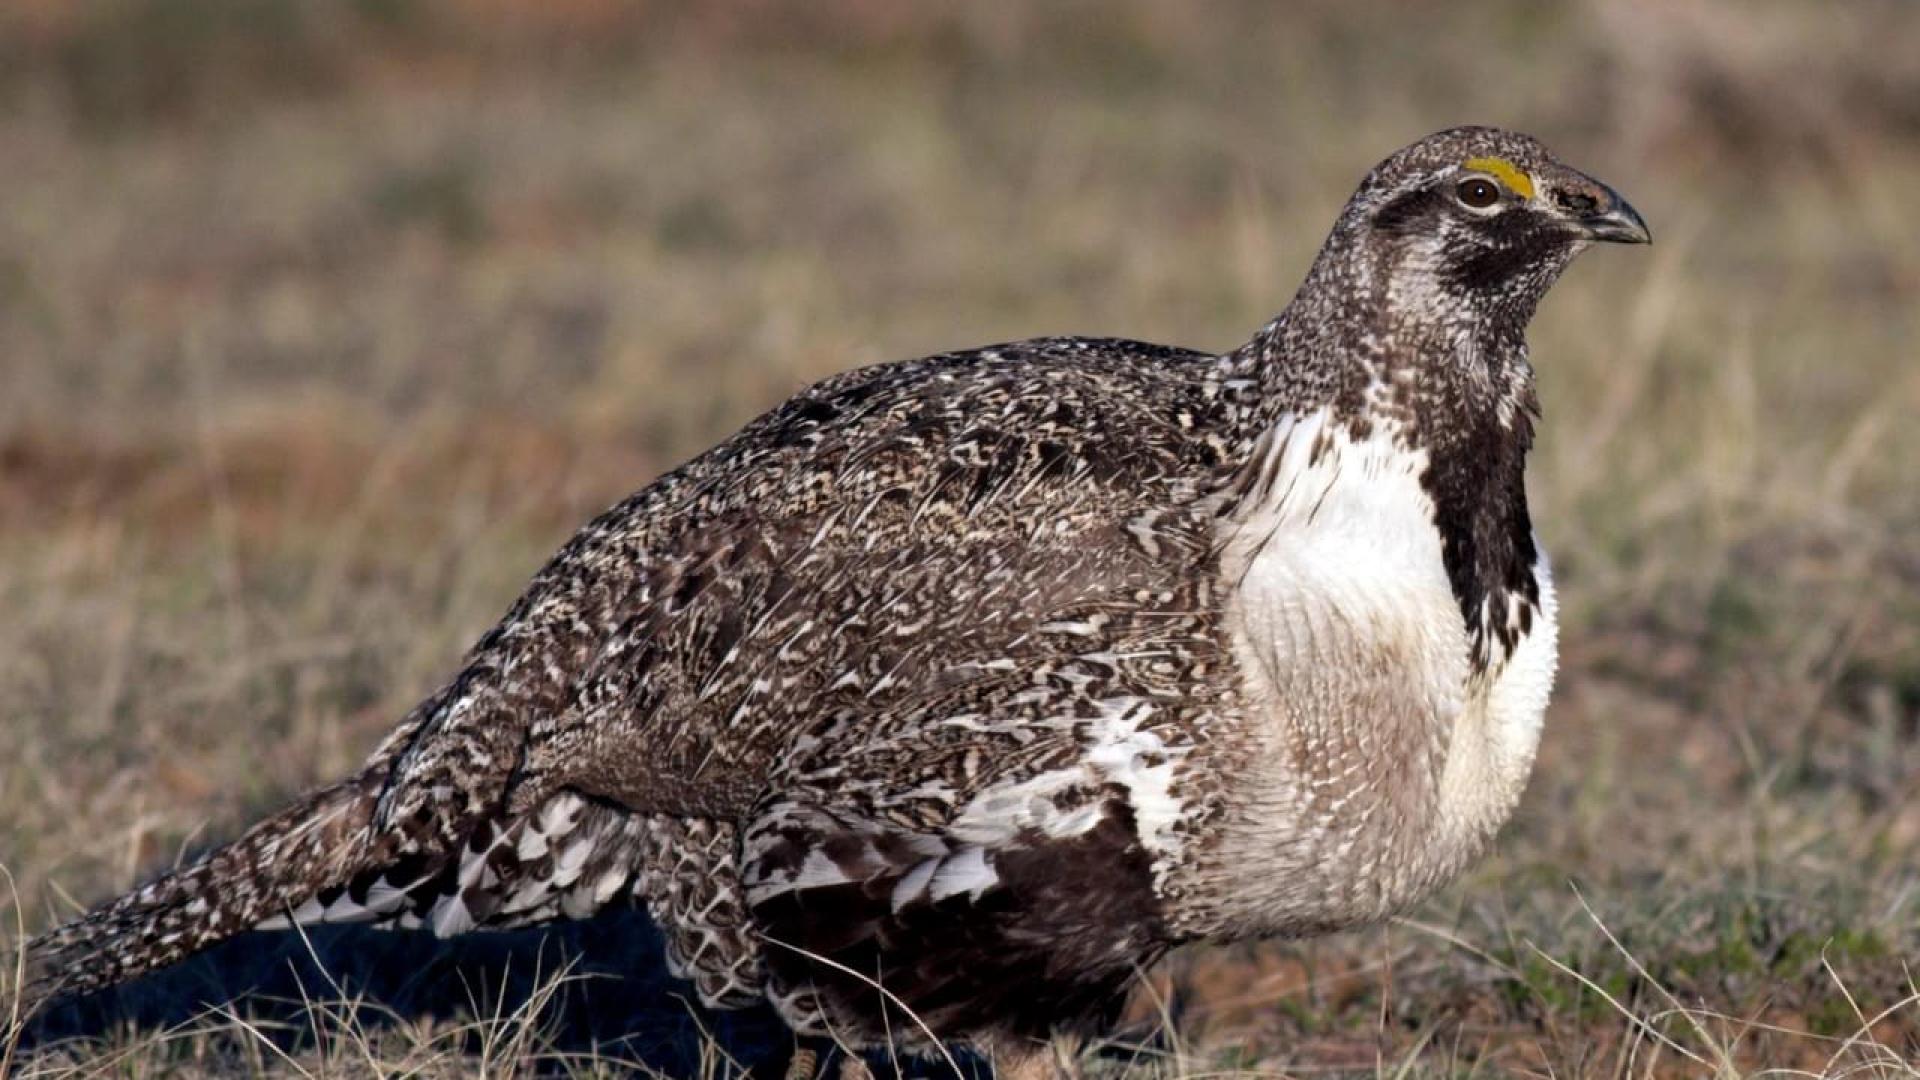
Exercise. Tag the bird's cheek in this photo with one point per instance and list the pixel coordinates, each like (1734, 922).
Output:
(1482, 269)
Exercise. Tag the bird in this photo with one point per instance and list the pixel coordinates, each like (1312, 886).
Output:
(939, 701)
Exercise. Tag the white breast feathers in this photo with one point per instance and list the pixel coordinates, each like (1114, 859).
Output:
(1382, 761)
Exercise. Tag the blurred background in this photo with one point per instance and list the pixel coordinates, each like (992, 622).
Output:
(322, 323)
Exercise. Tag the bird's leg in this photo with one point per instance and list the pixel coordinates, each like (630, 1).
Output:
(1066, 1050)
(802, 1064)
(1027, 1063)
(854, 1067)
(1056, 1059)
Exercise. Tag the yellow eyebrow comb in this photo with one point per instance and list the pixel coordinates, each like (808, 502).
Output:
(1505, 171)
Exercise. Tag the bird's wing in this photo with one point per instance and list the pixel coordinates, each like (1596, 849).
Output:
(924, 704)
(903, 563)
(641, 653)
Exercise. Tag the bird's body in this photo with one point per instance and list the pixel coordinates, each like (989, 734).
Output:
(969, 685)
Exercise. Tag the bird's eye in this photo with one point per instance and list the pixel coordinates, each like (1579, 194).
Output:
(1477, 193)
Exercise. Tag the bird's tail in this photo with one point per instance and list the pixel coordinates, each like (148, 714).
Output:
(324, 860)
(278, 863)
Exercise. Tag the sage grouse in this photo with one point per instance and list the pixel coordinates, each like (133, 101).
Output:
(965, 687)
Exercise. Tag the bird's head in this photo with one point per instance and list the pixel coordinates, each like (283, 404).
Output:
(1469, 228)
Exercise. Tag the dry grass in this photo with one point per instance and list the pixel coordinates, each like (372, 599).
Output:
(322, 324)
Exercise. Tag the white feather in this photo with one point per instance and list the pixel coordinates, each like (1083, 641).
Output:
(966, 871)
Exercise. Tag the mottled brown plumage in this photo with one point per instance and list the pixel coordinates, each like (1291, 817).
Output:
(990, 676)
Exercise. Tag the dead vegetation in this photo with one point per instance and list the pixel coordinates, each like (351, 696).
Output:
(320, 325)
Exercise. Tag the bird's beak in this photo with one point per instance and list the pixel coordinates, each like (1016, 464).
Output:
(1614, 219)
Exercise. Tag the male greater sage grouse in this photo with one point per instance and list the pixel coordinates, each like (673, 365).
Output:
(943, 698)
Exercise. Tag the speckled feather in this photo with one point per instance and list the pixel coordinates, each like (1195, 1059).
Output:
(992, 675)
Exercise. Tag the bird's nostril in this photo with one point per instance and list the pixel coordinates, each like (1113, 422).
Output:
(1577, 202)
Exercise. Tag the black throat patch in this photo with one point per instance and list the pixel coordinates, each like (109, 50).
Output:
(1486, 541)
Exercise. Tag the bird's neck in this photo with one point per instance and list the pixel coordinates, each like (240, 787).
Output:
(1460, 393)
(1367, 344)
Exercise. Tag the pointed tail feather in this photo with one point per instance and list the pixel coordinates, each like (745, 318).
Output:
(278, 863)
(322, 861)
